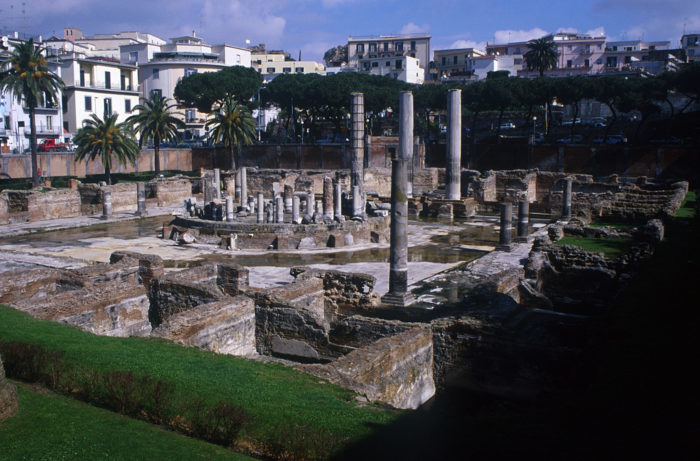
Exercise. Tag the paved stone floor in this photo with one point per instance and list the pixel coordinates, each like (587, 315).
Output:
(435, 247)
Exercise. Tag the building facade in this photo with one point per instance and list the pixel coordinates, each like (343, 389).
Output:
(272, 64)
(691, 44)
(454, 64)
(364, 51)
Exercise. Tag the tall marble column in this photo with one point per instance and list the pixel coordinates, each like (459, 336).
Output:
(217, 183)
(295, 209)
(338, 200)
(454, 145)
(261, 208)
(398, 294)
(566, 202)
(327, 197)
(244, 188)
(358, 153)
(506, 224)
(279, 208)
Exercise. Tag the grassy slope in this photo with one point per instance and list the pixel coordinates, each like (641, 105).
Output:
(50, 426)
(612, 248)
(274, 395)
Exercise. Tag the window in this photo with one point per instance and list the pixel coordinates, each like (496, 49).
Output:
(386, 46)
(587, 63)
(372, 47)
(628, 59)
(66, 126)
(611, 61)
(517, 51)
(108, 80)
(189, 115)
(156, 73)
(82, 77)
(108, 106)
(599, 61)
(413, 45)
(270, 70)
(190, 71)
(127, 106)
(569, 63)
(517, 62)
(133, 56)
(360, 47)
(88, 104)
(398, 64)
(157, 91)
(286, 70)
(568, 47)
(454, 60)
(375, 64)
(691, 52)
(388, 64)
(398, 46)
(299, 70)
(444, 60)
(49, 122)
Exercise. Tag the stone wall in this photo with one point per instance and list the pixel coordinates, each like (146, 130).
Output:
(8, 396)
(226, 326)
(38, 205)
(344, 292)
(397, 370)
(171, 191)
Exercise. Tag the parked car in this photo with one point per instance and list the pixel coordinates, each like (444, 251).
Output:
(571, 122)
(507, 126)
(575, 139)
(612, 139)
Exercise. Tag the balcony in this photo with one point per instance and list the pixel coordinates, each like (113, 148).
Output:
(100, 86)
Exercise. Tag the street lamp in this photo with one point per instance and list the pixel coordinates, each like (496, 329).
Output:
(302, 132)
(534, 121)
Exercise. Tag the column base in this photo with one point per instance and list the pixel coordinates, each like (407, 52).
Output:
(398, 299)
(520, 239)
(505, 247)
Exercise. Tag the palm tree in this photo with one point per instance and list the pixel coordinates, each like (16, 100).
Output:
(542, 55)
(232, 125)
(154, 120)
(27, 77)
(106, 139)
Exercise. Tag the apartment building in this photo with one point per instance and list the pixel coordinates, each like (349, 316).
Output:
(453, 64)
(691, 44)
(632, 54)
(273, 63)
(94, 85)
(364, 52)
(160, 67)
(404, 68)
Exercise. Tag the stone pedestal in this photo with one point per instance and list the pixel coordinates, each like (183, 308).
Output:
(328, 198)
(217, 183)
(279, 207)
(296, 219)
(523, 220)
(229, 208)
(106, 204)
(288, 194)
(141, 199)
(566, 202)
(506, 224)
(261, 208)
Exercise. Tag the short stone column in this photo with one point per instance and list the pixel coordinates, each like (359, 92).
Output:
(338, 200)
(280, 209)
(217, 183)
(566, 199)
(229, 208)
(398, 294)
(310, 204)
(141, 199)
(288, 194)
(523, 220)
(237, 185)
(230, 186)
(207, 190)
(506, 224)
(319, 208)
(261, 208)
(270, 212)
(106, 204)
(454, 145)
(327, 198)
(295, 209)
(244, 188)
(358, 203)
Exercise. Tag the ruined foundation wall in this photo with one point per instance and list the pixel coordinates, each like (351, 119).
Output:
(171, 191)
(8, 396)
(396, 370)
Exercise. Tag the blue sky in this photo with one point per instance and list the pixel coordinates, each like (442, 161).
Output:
(313, 26)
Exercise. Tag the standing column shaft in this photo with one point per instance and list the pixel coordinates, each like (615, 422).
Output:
(244, 188)
(237, 185)
(566, 203)
(398, 257)
(217, 183)
(358, 152)
(288, 193)
(280, 209)
(106, 204)
(523, 218)
(506, 223)
(141, 198)
(454, 145)
(310, 204)
(229, 208)
(327, 198)
(261, 208)
(338, 200)
(295, 209)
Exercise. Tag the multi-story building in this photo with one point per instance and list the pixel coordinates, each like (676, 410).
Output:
(108, 45)
(160, 67)
(364, 51)
(453, 64)
(273, 63)
(577, 55)
(404, 68)
(691, 44)
(94, 85)
(631, 54)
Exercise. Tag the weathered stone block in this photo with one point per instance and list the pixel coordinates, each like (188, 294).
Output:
(8, 396)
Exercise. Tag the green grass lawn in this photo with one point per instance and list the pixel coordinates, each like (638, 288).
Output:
(50, 426)
(275, 396)
(610, 247)
(687, 209)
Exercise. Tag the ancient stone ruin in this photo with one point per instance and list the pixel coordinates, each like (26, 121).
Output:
(8, 396)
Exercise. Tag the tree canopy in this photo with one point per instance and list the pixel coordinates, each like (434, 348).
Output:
(231, 125)
(542, 55)
(202, 90)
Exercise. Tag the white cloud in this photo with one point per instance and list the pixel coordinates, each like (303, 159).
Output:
(567, 30)
(597, 32)
(467, 44)
(234, 21)
(412, 28)
(510, 36)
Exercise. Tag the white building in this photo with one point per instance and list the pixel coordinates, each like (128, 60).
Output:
(691, 44)
(160, 67)
(272, 64)
(368, 50)
(404, 68)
